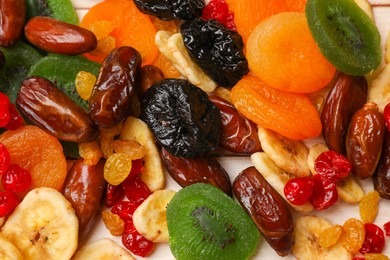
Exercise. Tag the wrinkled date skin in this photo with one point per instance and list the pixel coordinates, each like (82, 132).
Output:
(239, 134)
(55, 36)
(381, 176)
(84, 188)
(187, 171)
(147, 76)
(348, 94)
(267, 209)
(12, 16)
(114, 89)
(364, 140)
(50, 109)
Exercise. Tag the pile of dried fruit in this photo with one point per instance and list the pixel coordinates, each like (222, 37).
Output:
(96, 115)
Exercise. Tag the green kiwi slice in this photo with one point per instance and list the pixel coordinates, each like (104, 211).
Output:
(345, 34)
(62, 10)
(205, 223)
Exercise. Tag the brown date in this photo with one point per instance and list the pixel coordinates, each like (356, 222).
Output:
(364, 140)
(12, 13)
(348, 94)
(84, 189)
(114, 90)
(50, 109)
(239, 134)
(55, 36)
(381, 176)
(267, 209)
(146, 77)
(187, 171)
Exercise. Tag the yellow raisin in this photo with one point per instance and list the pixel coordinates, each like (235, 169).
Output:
(353, 235)
(102, 28)
(107, 139)
(84, 84)
(375, 256)
(330, 236)
(90, 152)
(113, 223)
(368, 206)
(130, 147)
(104, 46)
(117, 168)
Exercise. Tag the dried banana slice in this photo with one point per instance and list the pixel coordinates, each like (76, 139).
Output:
(379, 90)
(8, 251)
(102, 249)
(150, 217)
(43, 226)
(366, 7)
(387, 48)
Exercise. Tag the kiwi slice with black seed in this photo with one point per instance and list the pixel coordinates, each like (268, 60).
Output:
(205, 223)
(62, 10)
(347, 37)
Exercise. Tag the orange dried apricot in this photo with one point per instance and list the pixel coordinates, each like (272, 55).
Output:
(282, 52)
(38, 152)
(289, 114)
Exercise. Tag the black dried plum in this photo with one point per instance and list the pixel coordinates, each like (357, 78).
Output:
(182, 118)
(217, 50)
(171, 9)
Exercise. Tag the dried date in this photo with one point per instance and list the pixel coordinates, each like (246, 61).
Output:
(187, 171)
(114, 90)
(267, 209)
(381, 176)
(146, 77)
(50, 109)
(364, 140)
(13, 14)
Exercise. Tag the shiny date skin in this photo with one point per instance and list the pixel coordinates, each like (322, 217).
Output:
(364, 140)
(13, 14)
(84, 188)
(50, 109)
(187, 171)
(146, 77)
(348, 94)
(381, 176)
(114, 90)
(55, 36)
(239, 134)
(267, 209)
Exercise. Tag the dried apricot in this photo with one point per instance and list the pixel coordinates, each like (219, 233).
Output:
(282, 52)
(39, 153)
(368, 206)
(353, 235)
(290, 114)
(330, 236)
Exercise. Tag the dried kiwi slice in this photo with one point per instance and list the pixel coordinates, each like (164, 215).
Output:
(62, 10)
(205, 223)
(346, 35)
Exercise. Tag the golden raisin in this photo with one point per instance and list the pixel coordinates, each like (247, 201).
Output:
(368, 206)
(375, 256)
(353, 235)
(117, 168)
(330, 236)
(90, 152)
(102, 28)
(84, 84)
(107, 139)
(104, 46)
(130, 147)
(113, 223)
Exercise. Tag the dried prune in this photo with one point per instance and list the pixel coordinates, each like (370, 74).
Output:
(182, 118)
(171, 9)
(217, 50)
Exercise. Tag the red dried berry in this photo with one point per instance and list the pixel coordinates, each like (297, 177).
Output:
(219, 10)
(5, 160)
(135, 242)
(113, 194)
(386, 227)
(136, 168)
(299, 190)
(230, 24)
(8, 202)
(136, 190)
(4, 110)
(124, 209)
(386, 114)
(16, 179)
(333, 165)
(325, 192)
(358, 258)
(16, 120)
(374, 240)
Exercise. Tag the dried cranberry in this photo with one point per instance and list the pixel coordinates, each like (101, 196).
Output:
(219, 10)
(124, 209)
(136, 168)
(16, 120)
(136, 190)
(5, 160)
(8, 202)
(113, 194)
(386, 227)
(325, 194)
(333, 165)
(16, 179)
(386, 114)
(358, 258)
(4, 110)
(135, 242)
(374, 240)
(299, 190)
